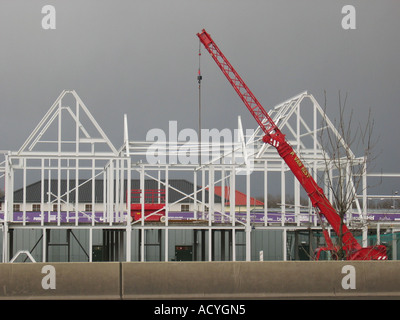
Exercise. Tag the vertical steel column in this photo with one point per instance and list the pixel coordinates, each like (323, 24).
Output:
(265, 193)
(118, 189)
(142, 239)
(297, 201)
(222, 194)
(49, 191)
(248, 224)
(5, 242)
(44, 245)
(121, 192)
(142, 234)
(284, 244)
(195, 209)
(348, 190)
(77, 141)
(58, 191)
(42, 193)
(76, 191)
(378, 233)
(166, 214)
(128, 212)
(211, 191)
(283, 195)
(232, 208)
(296, 182)
(93, 191)
(159, 183)
(210, 210)
(59, 164)
(142, 196)
(68, 202)
(203, 192)
(128, 240)
(23, 191)
(166, 241)
(365, 206)
(315, 171)
(111, 192)
(121, 245)
(90, 245)
(105, 217)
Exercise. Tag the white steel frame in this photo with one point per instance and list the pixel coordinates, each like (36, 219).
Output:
(91, 155)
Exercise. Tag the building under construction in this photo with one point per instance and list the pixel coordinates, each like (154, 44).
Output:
(73, 196)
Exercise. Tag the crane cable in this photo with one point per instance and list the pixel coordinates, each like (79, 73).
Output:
(199, 78)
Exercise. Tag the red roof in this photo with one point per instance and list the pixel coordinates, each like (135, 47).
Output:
(240, 198)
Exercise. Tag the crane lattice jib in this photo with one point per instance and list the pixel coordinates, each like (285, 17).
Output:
(260, 115)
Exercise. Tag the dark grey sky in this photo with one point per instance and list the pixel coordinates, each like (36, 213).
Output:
(141, 58)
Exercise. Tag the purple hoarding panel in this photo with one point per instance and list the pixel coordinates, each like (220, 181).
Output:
(255, 217)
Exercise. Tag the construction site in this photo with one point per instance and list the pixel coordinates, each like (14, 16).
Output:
(71, 195)
(286, 208)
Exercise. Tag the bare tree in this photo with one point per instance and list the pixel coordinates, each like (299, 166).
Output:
(343, 170)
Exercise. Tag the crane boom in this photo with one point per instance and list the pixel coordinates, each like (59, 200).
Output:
(274, 137)
(251, 102)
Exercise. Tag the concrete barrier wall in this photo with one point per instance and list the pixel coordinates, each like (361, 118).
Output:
(60, 280)
(254, 280)
(200, 280)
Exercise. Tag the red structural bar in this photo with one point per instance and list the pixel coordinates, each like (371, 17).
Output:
(150, 195)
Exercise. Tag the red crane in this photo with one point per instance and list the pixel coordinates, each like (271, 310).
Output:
(274, 137)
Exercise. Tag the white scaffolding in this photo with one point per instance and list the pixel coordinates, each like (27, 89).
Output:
(68, 150)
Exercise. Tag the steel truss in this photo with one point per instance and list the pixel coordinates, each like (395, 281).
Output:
(69, 145)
